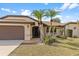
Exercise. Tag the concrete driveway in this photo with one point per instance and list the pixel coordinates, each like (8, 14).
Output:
(7, 46)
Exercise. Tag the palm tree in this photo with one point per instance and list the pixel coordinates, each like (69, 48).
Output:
(51, 13)
(39, 14)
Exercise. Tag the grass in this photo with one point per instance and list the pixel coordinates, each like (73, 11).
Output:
(73, 42)
(42, 50)
(64, 48)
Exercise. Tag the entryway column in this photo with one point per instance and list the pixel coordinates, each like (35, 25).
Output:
(27, 32)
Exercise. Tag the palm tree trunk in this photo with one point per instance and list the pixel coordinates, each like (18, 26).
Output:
(50, 30)
(54, 31)
(41, 32)
(51, 27)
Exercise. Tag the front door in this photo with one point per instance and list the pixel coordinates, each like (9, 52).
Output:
(70, 33)
(35, 32)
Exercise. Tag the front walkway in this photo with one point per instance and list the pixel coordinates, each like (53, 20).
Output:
(7, 46)
(32, 41)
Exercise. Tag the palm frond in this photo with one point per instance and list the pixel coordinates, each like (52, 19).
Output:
(51, 13)
(38, 14)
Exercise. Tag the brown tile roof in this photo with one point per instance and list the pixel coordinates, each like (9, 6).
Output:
(23, 19)
(53, 23)
(70, 23)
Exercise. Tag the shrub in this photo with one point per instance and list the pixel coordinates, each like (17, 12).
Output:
(49, 40)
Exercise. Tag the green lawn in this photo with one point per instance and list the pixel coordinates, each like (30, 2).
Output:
(68, 47)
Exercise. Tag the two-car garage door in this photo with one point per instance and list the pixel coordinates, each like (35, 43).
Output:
(11, 32)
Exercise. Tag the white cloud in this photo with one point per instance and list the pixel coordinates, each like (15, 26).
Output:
(73, 5)
(69, 6)
(45, 3)
(5, 9)
(14, 12)
(59, 10)
(25, 12)
(68, 18)
(48, 19)
(58, 16)
(8, 10)
(73, 20)
(22, 9)
(65, 6)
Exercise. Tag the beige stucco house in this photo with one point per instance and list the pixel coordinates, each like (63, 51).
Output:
(72, 29)
(19, 27)
(13, 27)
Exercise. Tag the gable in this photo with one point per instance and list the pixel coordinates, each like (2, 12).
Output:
(17, 18)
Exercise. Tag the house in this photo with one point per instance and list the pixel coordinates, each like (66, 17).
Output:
(13, 27)
(72, 29)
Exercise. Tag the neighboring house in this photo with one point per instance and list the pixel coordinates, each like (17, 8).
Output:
(58, 28)
(72, 29)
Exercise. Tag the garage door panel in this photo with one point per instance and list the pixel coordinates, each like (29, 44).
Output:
(12, 32)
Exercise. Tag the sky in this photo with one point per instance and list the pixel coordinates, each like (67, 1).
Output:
(69, 11)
